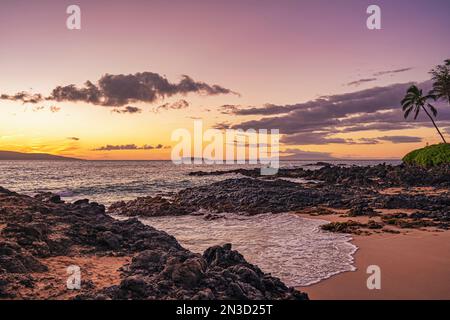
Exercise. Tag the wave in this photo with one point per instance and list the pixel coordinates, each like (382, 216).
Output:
(286, 245)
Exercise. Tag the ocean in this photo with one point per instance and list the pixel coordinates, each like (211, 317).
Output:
(290, 247)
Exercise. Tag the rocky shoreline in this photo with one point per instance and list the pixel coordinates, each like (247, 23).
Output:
(378, 176)
(119, 259)
(392, 197)
(40, 236)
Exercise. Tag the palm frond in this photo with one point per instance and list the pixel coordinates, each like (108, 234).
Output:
(433, 110)
(407, 112)
(417, 111)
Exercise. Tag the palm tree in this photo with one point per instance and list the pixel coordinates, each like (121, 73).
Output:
(441, 81)
(415, 101)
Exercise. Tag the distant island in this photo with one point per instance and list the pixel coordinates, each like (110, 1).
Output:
(11, 155)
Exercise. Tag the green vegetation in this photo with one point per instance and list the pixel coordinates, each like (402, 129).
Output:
(429, 156)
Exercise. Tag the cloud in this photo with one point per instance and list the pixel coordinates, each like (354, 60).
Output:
(229, 109)
(180, 104)
(297, 154)
(38, 108)
(73, 138)
(52, 109)
(222, 125)
(23, 97)
(363, 141)
(401, 139)
(55, 109)
(133, 146)
(127, 109)
(119, 90)
(447, 129)
(339, 105)
(382, 73)
(323, 138)
(361, 81)
(267, 109)
(122, 89)
(310, 138)
(321, 121)
(376, 75)
(379, 126)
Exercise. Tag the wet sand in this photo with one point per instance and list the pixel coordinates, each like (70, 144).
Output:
(414, 265)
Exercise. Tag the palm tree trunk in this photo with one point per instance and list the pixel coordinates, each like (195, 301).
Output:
(434, 123)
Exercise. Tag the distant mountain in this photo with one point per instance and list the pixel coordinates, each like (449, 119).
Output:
(11, 155)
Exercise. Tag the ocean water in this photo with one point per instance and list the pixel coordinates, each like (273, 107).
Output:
(109, 181)
(290, 247)
(286, 245)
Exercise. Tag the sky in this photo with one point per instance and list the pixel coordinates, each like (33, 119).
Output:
(311, 69)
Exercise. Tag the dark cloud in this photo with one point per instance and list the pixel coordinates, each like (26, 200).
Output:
(379, 126)
(382, 73)
(310, 138)
(23, 97)
(297, 154)
(339, 105)
(267, 109)
(361, 81)
(127, 109)
(180, 104)
(319, 121)
(377, 74)
(322, 138)
(222, 125)
(121, 89)
(133, 146)
(73, 138)
(229, 109)
(363, 141)
(401, 139)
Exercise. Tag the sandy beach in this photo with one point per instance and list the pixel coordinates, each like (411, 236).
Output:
(415, 264)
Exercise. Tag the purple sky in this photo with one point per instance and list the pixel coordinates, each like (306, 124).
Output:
(277, 52)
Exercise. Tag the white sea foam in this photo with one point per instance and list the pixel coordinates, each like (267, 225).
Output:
(286, 245)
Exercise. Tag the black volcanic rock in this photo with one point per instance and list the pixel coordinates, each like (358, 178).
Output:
(381, 175)
(253, 196)
(220, 273)
(35, 231)
(245, 195)
(147, 207)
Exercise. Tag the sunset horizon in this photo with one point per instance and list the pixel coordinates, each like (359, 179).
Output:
(220, 159)
(250, 84)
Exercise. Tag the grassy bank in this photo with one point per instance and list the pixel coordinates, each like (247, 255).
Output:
(434, 155)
